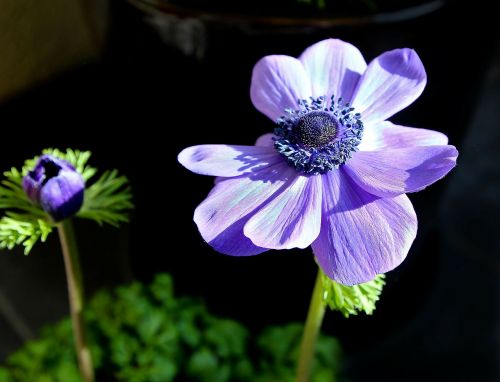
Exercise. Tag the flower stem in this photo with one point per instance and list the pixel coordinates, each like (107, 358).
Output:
(75, 293)
(311, 330)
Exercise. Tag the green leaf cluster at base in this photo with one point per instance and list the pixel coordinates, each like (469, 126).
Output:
(146, 334)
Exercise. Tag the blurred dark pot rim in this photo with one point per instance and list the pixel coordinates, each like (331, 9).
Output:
(159, 7)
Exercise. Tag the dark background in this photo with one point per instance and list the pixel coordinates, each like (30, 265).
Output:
(157, 90)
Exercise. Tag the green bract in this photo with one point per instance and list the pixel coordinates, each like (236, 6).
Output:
(349, 300)
(108, 199)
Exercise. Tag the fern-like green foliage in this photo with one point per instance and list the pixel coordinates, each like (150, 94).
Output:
(18, 229)
(349, 300)
(144, 333)
(108, 200)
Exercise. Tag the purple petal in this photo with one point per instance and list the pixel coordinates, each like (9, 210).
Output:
(397, 171)
(31, 186)
(226, 160)
(232, 202)
(361, 235)
(46, 167)
(292, 219)
(62, 196)
(265, 140)
(278, 82)
(334, 68)
(391, 82)
(388, 135)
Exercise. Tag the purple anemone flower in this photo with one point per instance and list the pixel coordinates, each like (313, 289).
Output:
(56, 186)
(335, 172)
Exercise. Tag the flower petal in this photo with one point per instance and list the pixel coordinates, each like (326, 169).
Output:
(222, 215)
(334, 67)
(227, 160)
(391, 82)
(62, 196)
(388, 135)
(393, 172)
(278, 82)
(292, 219)
(361, 235)
(265, 140)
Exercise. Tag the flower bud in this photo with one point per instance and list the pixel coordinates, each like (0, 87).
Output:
(56, 186)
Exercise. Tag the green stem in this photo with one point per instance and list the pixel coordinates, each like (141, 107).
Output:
(75, 292)
(311, 330)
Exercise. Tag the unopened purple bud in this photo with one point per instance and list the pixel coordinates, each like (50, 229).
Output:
(56, 186)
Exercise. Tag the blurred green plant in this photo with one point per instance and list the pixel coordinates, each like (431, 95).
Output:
(146, 334)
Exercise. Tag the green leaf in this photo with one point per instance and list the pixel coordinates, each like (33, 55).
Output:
(4, 375)
(17, 229)
(279, 349)
(108, 200)
(135, 336)
(12, 195)
(349, 300)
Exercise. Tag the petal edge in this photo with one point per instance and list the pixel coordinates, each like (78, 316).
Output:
(361, 235)
(391, 82)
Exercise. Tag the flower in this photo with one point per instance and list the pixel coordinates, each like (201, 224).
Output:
(56, 186)
(335, 173)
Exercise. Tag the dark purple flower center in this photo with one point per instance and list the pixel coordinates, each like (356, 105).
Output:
(319, 136)
(315, 129)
